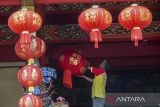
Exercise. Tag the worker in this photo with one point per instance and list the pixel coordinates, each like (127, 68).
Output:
(99, 84)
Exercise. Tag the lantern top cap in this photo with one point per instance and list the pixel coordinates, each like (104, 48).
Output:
(134, 4)
(95, 6)
(29, 93)
(24, 8)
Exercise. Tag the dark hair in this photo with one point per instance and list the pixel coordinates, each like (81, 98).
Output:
(104, 64)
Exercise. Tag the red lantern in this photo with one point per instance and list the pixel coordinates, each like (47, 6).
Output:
(33, 50)
(30, 76)
(135, 18)
(30, 101)
(72, 62)
(94, 20)
(25, 22)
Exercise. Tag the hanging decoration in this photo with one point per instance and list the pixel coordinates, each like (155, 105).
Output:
(135, 18)
(46, 89)
(33, 50)
(73, 63)
(25, 22)
(30, 101)
(94, 20)
(28, 47)
(30, 76)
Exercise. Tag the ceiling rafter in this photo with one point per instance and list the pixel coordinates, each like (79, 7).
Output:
(18, 2)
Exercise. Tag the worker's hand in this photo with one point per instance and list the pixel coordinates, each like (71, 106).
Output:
(89, 67)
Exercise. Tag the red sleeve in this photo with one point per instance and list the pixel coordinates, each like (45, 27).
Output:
(97, 71)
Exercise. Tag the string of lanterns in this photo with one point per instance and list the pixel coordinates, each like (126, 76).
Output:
(29, 47)
(134, 18)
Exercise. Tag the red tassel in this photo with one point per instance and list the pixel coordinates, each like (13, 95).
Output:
(136, 35)
(25, 37)
(135, 43)
(96, 45)
(67, 79)
(95, 36)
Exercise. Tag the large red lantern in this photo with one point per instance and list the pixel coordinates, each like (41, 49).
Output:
(94, 20)
(30, 76)
(32, 50)
(30, 101)
(25, 22)
(72, 62)
(135, 18)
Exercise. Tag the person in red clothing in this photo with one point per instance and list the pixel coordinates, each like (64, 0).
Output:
(99, 84)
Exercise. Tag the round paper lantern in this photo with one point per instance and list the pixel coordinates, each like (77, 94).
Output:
(94, 20)
(72, 62)
(135, 18)
(32, 50)
(30, 101)
(25, 22)
(30, 76)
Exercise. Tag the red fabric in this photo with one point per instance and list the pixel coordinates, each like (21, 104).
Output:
(97, 71)
(73, 63)
(67, 79)
(136, 35)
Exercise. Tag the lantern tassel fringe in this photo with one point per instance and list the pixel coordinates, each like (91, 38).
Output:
(95, 36)
(67, 79)
(136, 35)
(25, 37)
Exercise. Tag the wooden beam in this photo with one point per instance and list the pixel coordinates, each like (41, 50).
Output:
(117, 54)
(10, 2)
(111, 38)
(81, 1)
(71, 16)
(18, 2)
(107, 50)
(8, 54)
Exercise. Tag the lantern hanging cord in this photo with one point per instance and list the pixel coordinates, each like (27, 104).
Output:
(134, 1)
(24, 3)
(94, 1)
